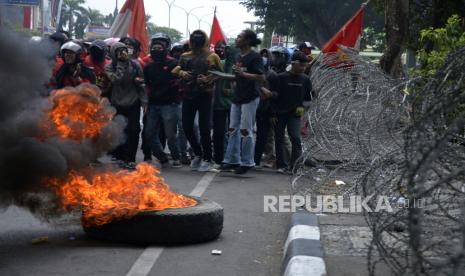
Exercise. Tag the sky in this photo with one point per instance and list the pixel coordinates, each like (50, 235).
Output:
(230, 14)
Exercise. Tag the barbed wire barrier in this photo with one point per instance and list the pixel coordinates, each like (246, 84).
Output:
(368, 134)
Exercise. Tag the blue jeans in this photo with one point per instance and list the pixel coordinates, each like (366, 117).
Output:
(241, 126)
(169, 114)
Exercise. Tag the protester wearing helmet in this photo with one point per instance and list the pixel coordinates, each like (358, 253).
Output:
(127, 96)
(158, 37)
(280, 58)
(198, 86)
(72, 72)
(176, 51)
(164, 101)
(97, 60)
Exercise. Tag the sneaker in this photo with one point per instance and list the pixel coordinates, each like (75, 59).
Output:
(284, 171)
(281, 170)
(228, 167)
(217, 166)
(242, 170)
(270, 164)
(185, 160)
(148, 159)
(205, 166)
(176, 164)
(195, 163)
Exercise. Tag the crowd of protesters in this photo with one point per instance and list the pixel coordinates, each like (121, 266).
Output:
(225, 109)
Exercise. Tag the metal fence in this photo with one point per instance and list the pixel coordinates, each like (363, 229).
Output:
(401, 139)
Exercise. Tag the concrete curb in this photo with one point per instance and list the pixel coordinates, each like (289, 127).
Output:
(303, 251)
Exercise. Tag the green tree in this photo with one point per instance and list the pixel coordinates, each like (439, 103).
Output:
(152, 29)
(310, 20)
(71, 12)
(95, 16)
(437, 43)
(374, 39)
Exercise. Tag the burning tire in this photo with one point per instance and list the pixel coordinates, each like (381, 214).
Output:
(200, 223)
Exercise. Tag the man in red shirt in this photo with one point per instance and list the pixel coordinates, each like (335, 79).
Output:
(72, 72)
(96, 60)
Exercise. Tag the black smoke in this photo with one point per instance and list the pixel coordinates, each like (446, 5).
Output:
(26, 157)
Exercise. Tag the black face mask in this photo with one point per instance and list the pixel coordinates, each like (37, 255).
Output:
(197, 41)
(97, 54)
(158, 55)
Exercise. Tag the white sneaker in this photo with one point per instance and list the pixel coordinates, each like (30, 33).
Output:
(195, 163)
(205, 166)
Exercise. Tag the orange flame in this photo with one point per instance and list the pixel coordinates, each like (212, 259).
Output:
(78, 114)
(114, 195)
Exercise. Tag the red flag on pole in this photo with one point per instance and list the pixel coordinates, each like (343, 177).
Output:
(349, 35)
(131, 22)
(216, 33)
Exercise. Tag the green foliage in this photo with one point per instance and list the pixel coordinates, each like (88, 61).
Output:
(436, 44)
(374, 39)
(424, 14)
(310, 20)
(174, 34)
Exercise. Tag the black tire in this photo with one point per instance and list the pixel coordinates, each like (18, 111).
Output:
(201, 223)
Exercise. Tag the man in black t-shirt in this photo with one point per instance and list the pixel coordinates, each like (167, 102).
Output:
(294, 93)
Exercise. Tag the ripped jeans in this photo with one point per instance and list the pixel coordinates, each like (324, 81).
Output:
(241, 143)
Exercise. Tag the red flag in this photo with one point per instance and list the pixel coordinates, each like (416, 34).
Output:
(349, 35)
(216, 33)
(131, 22)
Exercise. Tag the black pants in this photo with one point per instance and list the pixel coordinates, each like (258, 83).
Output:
(203, 105)
(293, 130)
(127, 151)
(220, 123)
(263, 129)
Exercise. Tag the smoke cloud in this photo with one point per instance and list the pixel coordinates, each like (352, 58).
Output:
(27, 156)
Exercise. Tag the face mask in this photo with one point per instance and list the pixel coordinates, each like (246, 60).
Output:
(265, 60)
(198, 42)
(157, 54)
(97, 54)
(130, 51)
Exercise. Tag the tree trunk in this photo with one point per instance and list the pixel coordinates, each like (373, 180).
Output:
(397, 29)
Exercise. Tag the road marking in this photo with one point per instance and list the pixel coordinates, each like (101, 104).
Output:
(145, 262)
(203, 184)
(149, 257)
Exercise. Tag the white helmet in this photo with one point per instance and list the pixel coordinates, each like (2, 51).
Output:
(71, 46)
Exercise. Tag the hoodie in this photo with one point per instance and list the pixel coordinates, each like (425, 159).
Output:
(125, 92)
(198, 63)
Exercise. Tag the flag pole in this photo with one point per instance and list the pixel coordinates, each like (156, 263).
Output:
(366, 3)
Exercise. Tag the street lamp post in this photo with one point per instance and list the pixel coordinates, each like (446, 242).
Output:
(187, 17)
(169, 11)
(200, 19)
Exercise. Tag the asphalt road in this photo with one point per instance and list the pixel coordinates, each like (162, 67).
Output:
(251, 241)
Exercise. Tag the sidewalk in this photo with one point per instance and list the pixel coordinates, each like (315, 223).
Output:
(345, 239)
